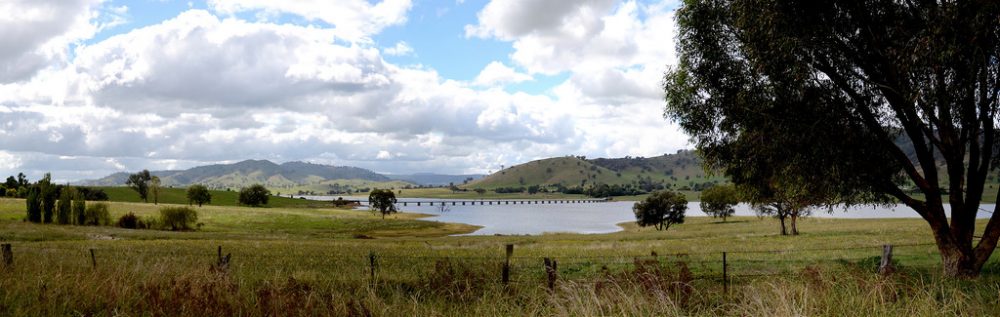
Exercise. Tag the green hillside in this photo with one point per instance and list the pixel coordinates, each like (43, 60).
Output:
(682, 170)
(219, 197)
(245, 173)
(336, 187)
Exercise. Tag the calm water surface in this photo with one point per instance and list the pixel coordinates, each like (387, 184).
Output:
(590, 217)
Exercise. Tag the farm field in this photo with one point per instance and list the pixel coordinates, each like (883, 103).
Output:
(318, 261)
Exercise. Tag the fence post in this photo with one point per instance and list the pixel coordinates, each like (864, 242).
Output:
(8, 256)
(93, 258)
(371, 265)
(886, 267)
(222, 262)
(551, 271)
(725, 274)
(505, 277)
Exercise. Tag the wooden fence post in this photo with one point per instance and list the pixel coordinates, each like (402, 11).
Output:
(222, 262)
(93, 258)
(551, 271)
(886, 267)
(505, 277)
(371, 265)
(8, 256)
(725, 274)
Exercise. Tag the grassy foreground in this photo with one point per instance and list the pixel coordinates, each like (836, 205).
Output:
(310, 261)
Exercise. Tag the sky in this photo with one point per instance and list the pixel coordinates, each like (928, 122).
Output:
(92, 87)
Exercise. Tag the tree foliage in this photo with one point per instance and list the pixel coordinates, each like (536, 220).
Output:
(33, 204)
(661, 209)
(198, 194)
(49, 193)
(64, 215)
(79, 208)
(719, 201)
(382, 201)
(255, 195)
(856, 100)
(139, 182)
(154, 189)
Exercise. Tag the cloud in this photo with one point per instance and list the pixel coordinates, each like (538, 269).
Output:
(497, 73)
(509, 20)
(36, 33)
(401, 49)
(550, 37)
(353, 19)
(205, 87)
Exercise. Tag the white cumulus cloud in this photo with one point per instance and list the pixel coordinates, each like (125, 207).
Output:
(497, 73)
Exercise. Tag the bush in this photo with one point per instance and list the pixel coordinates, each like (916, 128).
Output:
(131, 221)
(178, 218)
(255, 195)
(97, 215)
(92, 194)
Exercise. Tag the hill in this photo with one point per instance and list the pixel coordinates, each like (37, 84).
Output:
(432, 179)
(681, 170)
(284, 176)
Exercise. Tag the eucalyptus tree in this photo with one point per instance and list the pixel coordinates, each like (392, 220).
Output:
(865, 101)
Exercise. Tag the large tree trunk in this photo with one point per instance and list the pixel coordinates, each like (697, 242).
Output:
(959, 264)
(960, 256)
(795, 229)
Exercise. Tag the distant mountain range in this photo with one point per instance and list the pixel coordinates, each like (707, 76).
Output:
(285, 175)
(679, 170)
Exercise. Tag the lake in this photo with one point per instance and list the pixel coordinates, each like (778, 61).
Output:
(600, 217)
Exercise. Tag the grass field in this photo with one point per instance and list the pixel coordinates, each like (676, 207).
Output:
(219, 197)
(309, 261)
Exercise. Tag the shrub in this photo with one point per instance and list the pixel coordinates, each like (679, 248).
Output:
(178, 218)
(151, 222)
(97, 215)
(131, 221)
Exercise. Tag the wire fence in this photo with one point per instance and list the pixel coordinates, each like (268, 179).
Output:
(502, 268)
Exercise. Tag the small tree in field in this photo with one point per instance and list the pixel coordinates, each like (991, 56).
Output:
(154, 188)
(661, 209)
(139, 182)
(255, 195)
(33, 204)
(198, 194)
(79, 208)
(718, 201)
(383, 201)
